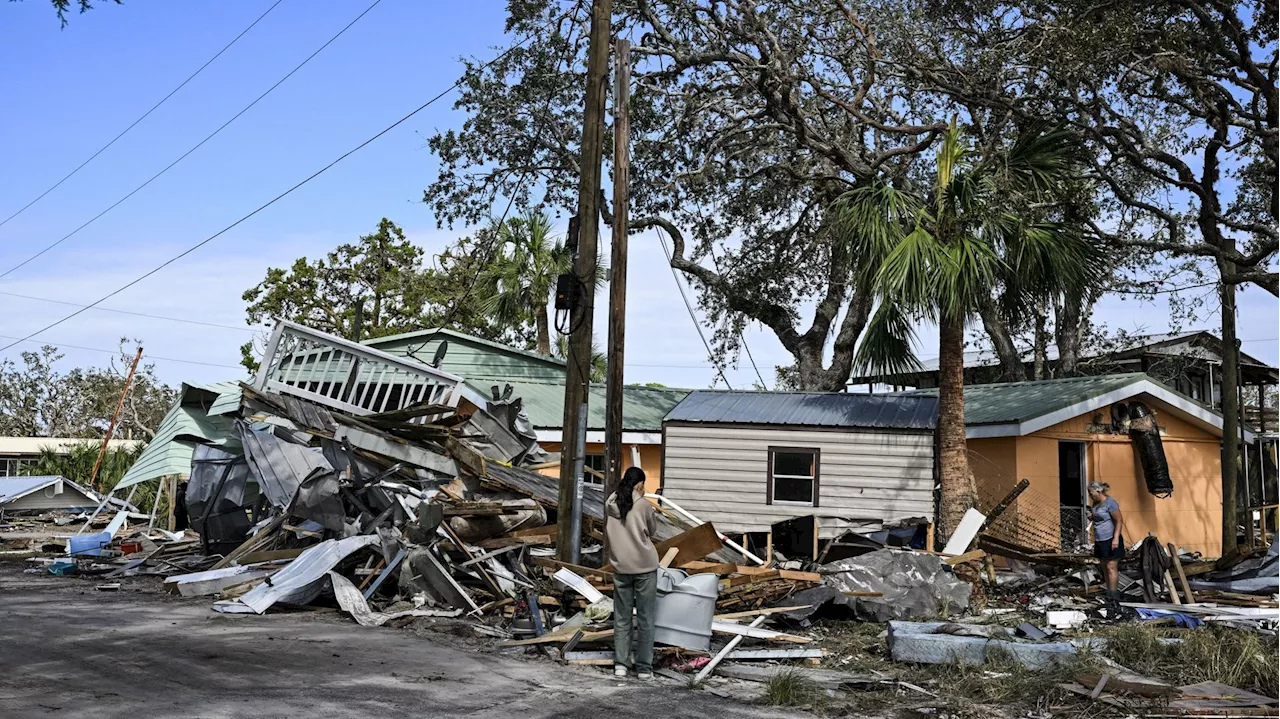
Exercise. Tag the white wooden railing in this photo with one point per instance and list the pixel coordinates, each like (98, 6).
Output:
(347, 376)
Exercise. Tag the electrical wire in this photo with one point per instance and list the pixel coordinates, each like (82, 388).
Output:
(197, 146)
(145, 115)
(135, 314)
(741, 337)
(662, 237)
(60, 345)
(265, 205)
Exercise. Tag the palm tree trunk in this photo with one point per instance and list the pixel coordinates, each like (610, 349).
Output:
(544, 334)
(953, 456)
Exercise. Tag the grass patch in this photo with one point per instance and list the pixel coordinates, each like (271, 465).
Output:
(1239, 658)
(1003, 680)
(791, 688)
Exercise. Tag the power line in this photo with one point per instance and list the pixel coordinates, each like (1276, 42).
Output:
(60, 345)
(197, 146)
(144, 115)
(741, 337)
(689, 306)
(135, 314)
(268, 203)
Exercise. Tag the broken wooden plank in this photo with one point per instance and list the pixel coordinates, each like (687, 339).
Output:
(550, 563)
(738, 580)
(792, 575)
(668, 557)
(1182, 575)
(966, 557)
(758, 612)
(700, 567)
(719, 657)
(500, 542)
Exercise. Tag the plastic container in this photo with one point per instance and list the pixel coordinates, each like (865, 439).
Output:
(684, 609)
(90, 544)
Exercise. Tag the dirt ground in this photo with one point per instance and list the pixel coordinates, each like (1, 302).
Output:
(67, 650)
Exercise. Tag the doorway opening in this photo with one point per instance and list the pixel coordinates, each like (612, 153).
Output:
(1072, 497)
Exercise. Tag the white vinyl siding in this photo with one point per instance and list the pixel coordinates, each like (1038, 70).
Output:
(721, 474)
(41, 499)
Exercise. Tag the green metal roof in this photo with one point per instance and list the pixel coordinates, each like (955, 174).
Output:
(472, 357)
(642, 407)
(1013, 402)
(188, 421)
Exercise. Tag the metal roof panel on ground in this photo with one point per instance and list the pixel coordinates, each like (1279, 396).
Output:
(808, 409)
(642, 407)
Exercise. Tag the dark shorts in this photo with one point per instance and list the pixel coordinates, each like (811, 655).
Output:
(1104, 551)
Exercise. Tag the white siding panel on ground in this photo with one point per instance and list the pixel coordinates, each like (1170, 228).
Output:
(720, 474)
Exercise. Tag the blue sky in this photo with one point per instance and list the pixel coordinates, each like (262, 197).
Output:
(67, 92)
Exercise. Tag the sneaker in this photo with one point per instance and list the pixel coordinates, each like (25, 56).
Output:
(619, 670)
(644, 676)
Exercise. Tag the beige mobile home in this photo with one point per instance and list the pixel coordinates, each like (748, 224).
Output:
(745, 460)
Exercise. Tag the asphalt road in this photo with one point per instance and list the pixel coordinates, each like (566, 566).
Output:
(67, 650)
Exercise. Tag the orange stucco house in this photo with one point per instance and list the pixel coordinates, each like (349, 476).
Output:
(1062, 434)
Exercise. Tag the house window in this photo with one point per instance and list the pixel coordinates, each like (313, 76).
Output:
(793, 476)
(596, 462)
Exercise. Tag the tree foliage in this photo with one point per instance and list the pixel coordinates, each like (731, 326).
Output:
(38, 400)
(382, 285)
(517, 284)
(76, 464)
(747, 119)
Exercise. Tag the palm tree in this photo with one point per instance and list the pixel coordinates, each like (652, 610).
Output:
(599, 363)
(518, 282)
(933, 259)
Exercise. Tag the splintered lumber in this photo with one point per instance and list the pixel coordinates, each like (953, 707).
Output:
(550, 563)
(1117, 685)
(1005, 503)
(500, 542)
(709, 568)
(758, 612)
(966, 557)
(792, 575)
(1182, 575)
(694, 544)
(738, 580)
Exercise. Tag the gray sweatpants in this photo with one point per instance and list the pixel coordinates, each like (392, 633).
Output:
(634, 591)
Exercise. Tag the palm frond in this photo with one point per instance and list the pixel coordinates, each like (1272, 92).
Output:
(909, 272)
(966, 270)
(871, 220)
(1041, 159)
(886, 347)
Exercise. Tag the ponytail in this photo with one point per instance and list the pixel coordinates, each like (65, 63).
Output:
(626, 490)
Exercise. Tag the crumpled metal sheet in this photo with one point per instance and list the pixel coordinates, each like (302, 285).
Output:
(301, 581)
(279, 465)
(318, 500)
(353, 603)
(913, 585)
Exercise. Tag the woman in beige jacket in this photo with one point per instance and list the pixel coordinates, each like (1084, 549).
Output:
(629, 525)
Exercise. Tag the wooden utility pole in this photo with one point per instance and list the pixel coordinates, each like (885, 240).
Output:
(578, 371)
(618, 281)
(1230, 412)
(111, 428)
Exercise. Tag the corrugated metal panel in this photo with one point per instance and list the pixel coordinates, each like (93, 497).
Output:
(472, 357)
(808, 409)
(1012, 402)
(642, 407)
(169, 452)
(720, 474)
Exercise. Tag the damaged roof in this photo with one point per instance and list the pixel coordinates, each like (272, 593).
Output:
(642, 407)
(1020, 408)
(808, 409)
